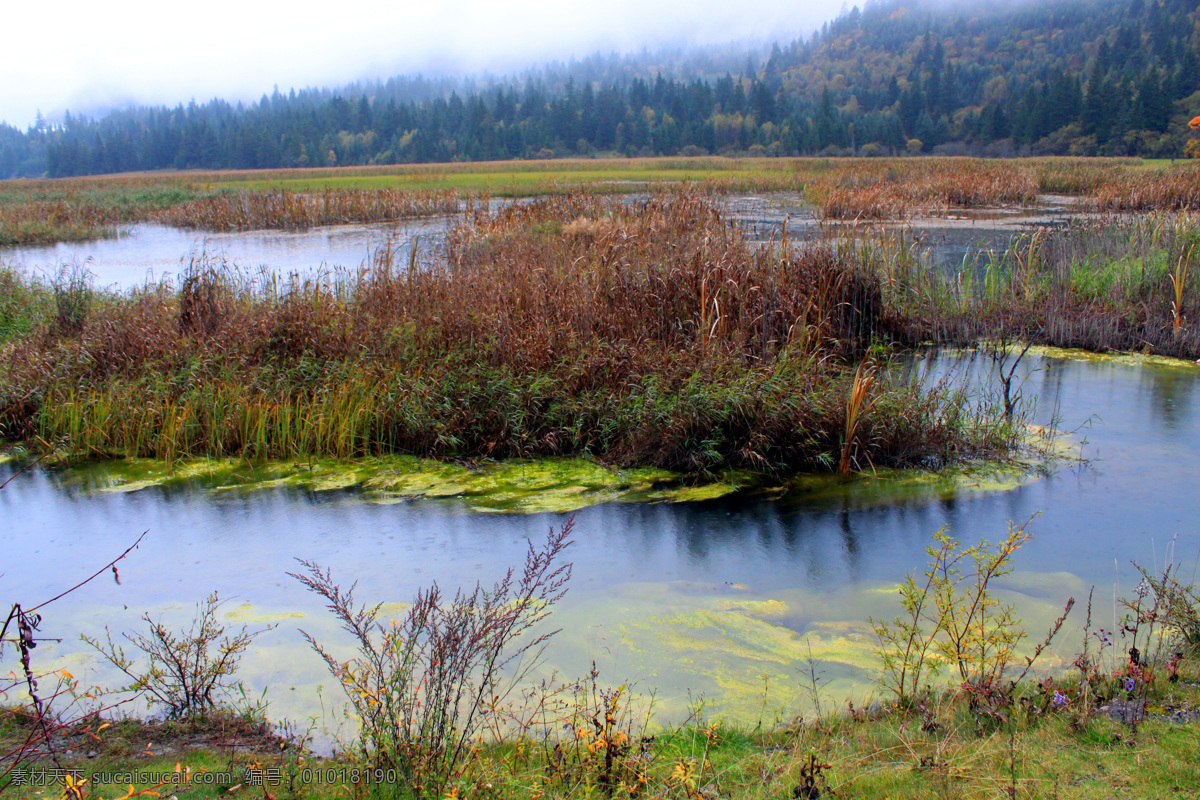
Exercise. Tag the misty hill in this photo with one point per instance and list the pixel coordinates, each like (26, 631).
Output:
(1079, 77)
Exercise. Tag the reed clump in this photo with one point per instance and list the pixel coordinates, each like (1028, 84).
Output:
(646, 333)
(1173, 189)
(46, 222)
(1117, 283)
(287, 209)
(897, 189)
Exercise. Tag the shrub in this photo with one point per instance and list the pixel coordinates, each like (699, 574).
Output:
(423, 686)
(189, 672)
(955, 619)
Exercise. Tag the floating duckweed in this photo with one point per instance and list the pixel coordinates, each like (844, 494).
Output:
(1130, 359)
(247, 612)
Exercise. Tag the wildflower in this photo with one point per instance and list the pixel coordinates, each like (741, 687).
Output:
(1060, 699)
(1130, 684)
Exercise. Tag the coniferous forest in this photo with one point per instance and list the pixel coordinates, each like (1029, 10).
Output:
(1066, 77)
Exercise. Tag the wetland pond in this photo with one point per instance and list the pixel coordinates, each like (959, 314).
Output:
(697, 593)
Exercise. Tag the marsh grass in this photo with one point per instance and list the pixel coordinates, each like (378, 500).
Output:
(23, 302)
(288, 209)
(1176, 188)
(44, 211)
(898, 189)
(72, 285)
(1117, 283)
(646, 333)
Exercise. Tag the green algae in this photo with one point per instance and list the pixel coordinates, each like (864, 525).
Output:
(553, 485)
(536, 486)
(750, 654)
(247, 612)
(1128, 359)
(559, 485)
(898, 487)
(1040, 452)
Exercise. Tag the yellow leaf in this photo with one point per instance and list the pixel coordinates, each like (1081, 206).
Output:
(66, 674)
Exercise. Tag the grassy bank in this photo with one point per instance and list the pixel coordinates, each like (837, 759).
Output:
(645, 334)
(892, 755)
(45, 212)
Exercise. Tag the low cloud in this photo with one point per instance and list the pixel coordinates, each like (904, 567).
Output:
(89, 56)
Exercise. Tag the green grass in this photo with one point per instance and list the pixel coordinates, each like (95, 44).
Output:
(886, 756)
(24, 304)
(524, 179)
(501, 184)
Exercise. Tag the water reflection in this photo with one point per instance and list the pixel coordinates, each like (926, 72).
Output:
(1172, 392)
(148, 253)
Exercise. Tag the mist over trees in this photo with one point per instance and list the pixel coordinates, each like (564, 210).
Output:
(1067, 77)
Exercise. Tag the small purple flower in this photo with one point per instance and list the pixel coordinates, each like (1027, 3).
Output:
(1130, 684)
(1060, 699)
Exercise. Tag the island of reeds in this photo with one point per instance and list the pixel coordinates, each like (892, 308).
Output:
(635, 333)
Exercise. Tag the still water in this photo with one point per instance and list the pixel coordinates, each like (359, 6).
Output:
(148, 253)
(724, 600)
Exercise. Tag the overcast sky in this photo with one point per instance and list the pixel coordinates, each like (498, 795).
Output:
(84, 56)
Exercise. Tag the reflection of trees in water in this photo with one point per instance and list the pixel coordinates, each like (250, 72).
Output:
(1172, 391)
(1049, 390)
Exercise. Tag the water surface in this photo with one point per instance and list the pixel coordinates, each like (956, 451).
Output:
(149, 252)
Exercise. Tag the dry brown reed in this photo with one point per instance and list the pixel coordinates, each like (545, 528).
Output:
(287, 209)
(1174, 189)
(896, 189)
(664, 274)
(46, 222)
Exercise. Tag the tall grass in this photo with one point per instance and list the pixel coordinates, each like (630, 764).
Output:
(43, 222)
(1114, 283)
(287, 209)
(638, 333)
(1173, 189)
(23, 302)
(896, 189)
